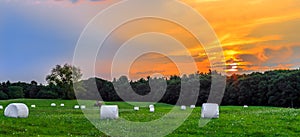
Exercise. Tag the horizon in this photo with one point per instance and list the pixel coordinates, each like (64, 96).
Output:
(256, 36)
(167, 77)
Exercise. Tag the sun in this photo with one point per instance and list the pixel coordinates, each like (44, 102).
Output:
(233, 67)
(232, 63)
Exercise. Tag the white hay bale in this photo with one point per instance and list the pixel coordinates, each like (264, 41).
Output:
(62, 105)
(33, 106)
(53, 104)
(16, 110)
(245, 106)
(82, 106)
(136, 108)
(109, 112)
(1, 107)
(151, 106)
(183, 107)
(152, 109)
(76, 106)
(193, 106)
(210, 110)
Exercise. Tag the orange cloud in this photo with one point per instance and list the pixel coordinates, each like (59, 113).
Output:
(146, 66)
(255, 35)
(247, 29)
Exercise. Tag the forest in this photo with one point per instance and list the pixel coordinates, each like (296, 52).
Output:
(279, 88)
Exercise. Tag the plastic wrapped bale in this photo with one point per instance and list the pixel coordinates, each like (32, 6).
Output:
(1, 107)
(76, 106)
(53, 104)
(245, 106)
(82, 106)
(109, 112)
(151, 106)
(192, 106)
(16, 110)
(183, 107)
(136, 108)
(33, 106)
(62, 105)
(152, 109)
(210, 110)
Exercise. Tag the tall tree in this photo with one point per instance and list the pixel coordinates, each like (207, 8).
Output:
(63, 77)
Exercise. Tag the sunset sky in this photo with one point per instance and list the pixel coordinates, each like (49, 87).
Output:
(256, 35)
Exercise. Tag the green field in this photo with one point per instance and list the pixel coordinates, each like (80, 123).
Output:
(234, 120)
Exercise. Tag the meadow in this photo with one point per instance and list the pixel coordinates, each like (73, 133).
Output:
(49, 121)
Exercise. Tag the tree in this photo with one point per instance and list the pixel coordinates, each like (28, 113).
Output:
(3, 95)
(33, 89)
(44, 94)
(15, 92)
(63, 77)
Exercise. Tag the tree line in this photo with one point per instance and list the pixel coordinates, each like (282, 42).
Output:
(280, 88)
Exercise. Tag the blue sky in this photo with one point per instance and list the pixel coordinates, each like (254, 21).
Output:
(34, 38)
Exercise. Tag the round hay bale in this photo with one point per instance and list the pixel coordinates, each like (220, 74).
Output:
(210, 110)
(62, 105)
(183, 107)
(109, 112)
(53, 104)
(76, 106)
(33, 106)
(16, 110)
(152, 109)
(151, 106)
(193, 106)
(136, 108)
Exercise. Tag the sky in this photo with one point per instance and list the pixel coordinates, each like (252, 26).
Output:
(256, 35)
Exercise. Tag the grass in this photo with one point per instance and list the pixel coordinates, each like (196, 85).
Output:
(234, 120)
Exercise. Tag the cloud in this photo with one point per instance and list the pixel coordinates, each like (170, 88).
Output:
(77, 1)
(249, 58)
(256, 35)
(280, 55)
(151, 72)
(260, 33)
